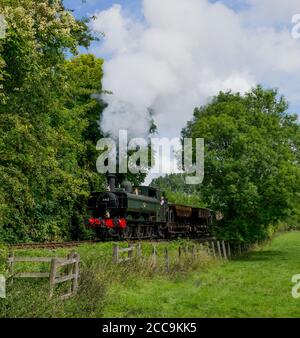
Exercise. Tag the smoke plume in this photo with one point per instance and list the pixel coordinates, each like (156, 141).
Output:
(184, 51)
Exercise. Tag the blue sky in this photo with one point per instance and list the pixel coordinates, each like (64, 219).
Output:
(86, 7)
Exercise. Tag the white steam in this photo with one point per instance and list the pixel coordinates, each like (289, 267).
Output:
(184, 52)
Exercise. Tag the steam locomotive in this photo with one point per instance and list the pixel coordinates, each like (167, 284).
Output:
(142, 212)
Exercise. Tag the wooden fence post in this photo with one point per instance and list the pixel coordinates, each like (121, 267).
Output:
(116, 254)
(71, 255)
(193, 252)
(240, 249)
(224, 250)
(139, 250)
(213, 248)
(11, 263)
(167, 260)
(130, 252)
(154, 254)
(229, 250)
(76, 273)
(52, 276)
(207, 248)
(219, 249)
(179, 252)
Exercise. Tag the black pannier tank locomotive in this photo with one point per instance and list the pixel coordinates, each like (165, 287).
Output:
(143, 213)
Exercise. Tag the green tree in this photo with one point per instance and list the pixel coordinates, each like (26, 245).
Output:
(44, 136)
(252, 170)
(177, 191)
(83, 75)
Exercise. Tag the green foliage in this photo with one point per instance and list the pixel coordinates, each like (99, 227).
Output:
(252, 170)
(177, 191)
(47, 122)
(83, 75)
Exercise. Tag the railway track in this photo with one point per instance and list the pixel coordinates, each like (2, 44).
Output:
(53, 245)
(57, 245)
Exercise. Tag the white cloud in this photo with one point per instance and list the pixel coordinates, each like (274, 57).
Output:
(186, 51)
(271, 12)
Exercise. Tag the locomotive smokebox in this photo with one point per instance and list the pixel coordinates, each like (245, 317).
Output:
(111, 181)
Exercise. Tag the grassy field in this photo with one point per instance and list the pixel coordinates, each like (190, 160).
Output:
(255, 285)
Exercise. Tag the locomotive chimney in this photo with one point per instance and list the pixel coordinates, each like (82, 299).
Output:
(111, 181)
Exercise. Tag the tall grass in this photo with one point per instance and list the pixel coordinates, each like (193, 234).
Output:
(98, 277)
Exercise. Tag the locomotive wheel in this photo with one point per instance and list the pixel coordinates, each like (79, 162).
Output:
(115, 233)
(139, 231)
(149, 232)
(160, 232)
(128, 232)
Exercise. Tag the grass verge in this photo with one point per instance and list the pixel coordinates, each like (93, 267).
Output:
(255, 285)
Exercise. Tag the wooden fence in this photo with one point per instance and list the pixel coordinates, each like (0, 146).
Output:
(55, 277)
(118, 253)
(62, 270)
(216, 249)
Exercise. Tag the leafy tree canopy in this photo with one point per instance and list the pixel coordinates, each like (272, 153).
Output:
(252, 172)
(46, 121)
